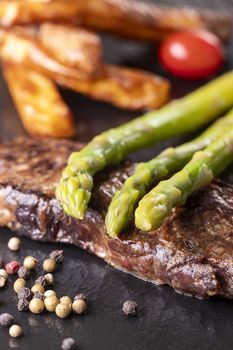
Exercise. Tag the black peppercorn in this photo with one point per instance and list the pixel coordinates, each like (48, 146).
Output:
(23, 304)
(6, 320)
(57, 255)
(25, 293)
(38, 295)
(130, 308)
(23, 272)
(68, 344)
(80, 296)
(41, 280)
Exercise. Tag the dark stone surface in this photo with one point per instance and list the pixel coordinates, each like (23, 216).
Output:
(165, 319)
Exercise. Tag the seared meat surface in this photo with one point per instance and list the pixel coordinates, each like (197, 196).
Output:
(192, 252)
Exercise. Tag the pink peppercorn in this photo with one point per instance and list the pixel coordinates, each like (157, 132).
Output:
(12, 267)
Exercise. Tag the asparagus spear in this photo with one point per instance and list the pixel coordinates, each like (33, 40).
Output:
(183, 115)
(159, 168)
(199, 172)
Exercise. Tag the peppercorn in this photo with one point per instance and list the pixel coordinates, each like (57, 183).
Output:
(36, 306)
(68, 344)
(51, 303)
(6, 320)
(49, 279)
(23, 272)
(66, 300)
(79, 306)
(39, 295)
(80, 296)
(57, 255)
(37, 288)
(23, 304)
(19, 284)
(25, 293)
(130, 308)
(2, 281)
(14, 243)
(15, 331)
(1, 263)
(49, 265)
(41, 280)
(30, 262)
(49, 293)
(12, 267)
(63, 310)
(3, 273)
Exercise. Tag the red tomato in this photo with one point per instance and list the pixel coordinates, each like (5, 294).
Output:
(192, 54)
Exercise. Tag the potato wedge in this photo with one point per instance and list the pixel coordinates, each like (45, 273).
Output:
(24, 48)
(72, 46)
(127, 18)
(147, 21)
(37, 11)
(123, 87)
(126, 88)
(41, 108)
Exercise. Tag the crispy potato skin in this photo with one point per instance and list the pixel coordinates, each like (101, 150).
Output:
(125, 88)
(41, 108)
(126, 18)
(72, 46)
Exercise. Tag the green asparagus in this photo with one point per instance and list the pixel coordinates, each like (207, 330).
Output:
(146, 174)
(199, 172)
(177, 117)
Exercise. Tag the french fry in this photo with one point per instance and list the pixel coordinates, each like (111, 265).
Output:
(72, 46)
(126, 88)
(41, 108)
(127, 18)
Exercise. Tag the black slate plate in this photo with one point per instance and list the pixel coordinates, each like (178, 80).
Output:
(166, 320)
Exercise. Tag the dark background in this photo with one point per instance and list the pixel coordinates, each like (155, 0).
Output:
(166, 320)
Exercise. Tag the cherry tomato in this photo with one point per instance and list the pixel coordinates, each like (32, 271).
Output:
(192, 54)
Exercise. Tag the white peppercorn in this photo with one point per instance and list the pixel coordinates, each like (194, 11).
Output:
(49, 293)
(36, 306)
(30, 262)
(37, 288)
(6, 320)
(49, 265)
(19, 284)
(66, 300)
(3, 273)
(51, 303)
(14, 243)
(62, 310)
(15, 331)
(79, 306)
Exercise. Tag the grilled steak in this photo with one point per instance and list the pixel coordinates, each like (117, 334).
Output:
(192, 252)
